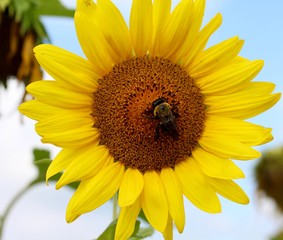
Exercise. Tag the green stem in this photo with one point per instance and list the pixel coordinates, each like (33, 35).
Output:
(10, 206)
(115, 206)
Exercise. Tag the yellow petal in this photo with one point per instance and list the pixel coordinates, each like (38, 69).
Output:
(174, 193)
(196, 188)
(229, 190)
(131, 187)
(62, 122)
(98, 189)
(247, 103)
(63, 159)
(126, 221)
(238, 130)
(201, 41)
(61, 162)
(141, 26)
(88, 7)
(70, 216)
(154, 202)
(215, 166)
(168, 233)
(84, 186)
(229, 79)
(256, 89)
(111, 23)
(160, 15)
(69, 70)
(108, 161)
(197, 16)
(227, 147)
(94, 45)
(86, 165)
(50, 92)
(176, 29)
(74, 138)
(260, 88)
(215, 57)
(37, 110)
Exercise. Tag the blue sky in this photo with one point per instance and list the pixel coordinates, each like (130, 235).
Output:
(40, 214)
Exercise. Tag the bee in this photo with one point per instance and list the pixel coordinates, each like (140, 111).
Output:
(163, 112)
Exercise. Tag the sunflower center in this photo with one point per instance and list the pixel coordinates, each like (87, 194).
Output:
(149, 112)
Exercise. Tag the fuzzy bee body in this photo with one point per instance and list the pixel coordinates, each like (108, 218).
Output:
(167, 118)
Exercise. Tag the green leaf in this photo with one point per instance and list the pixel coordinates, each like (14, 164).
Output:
(142, 216)
(26, 23)
(139, 233)
(73, 185)
(136, 230)
(143, 233)
(4, 4)
(40, 29)
(109, 232)
(39, 154)
(30, 21)
(21, 7)
(28, 13)
(53, 8)
(41, 159)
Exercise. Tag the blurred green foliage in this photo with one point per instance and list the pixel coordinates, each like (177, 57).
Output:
(28, 12)
(269, 175)
(21, 29)
(139, 233)
(278, 237)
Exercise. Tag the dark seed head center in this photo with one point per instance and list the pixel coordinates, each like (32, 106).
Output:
(123, 113)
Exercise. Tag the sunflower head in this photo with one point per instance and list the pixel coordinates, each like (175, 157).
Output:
(132, 113)
(150, 112)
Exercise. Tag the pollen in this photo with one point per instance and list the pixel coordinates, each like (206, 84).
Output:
(123, 108)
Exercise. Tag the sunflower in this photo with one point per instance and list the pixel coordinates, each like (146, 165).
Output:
(150, 113)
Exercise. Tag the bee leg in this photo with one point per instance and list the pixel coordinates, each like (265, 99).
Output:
(175, 134)
(176, 115)
(157, 129)
(149, 116)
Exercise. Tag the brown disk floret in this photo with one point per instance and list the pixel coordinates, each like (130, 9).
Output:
(124, 100)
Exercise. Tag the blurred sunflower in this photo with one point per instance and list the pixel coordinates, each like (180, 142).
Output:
(150, 113)
(269, 175)
(18, 36)
(21, 29)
